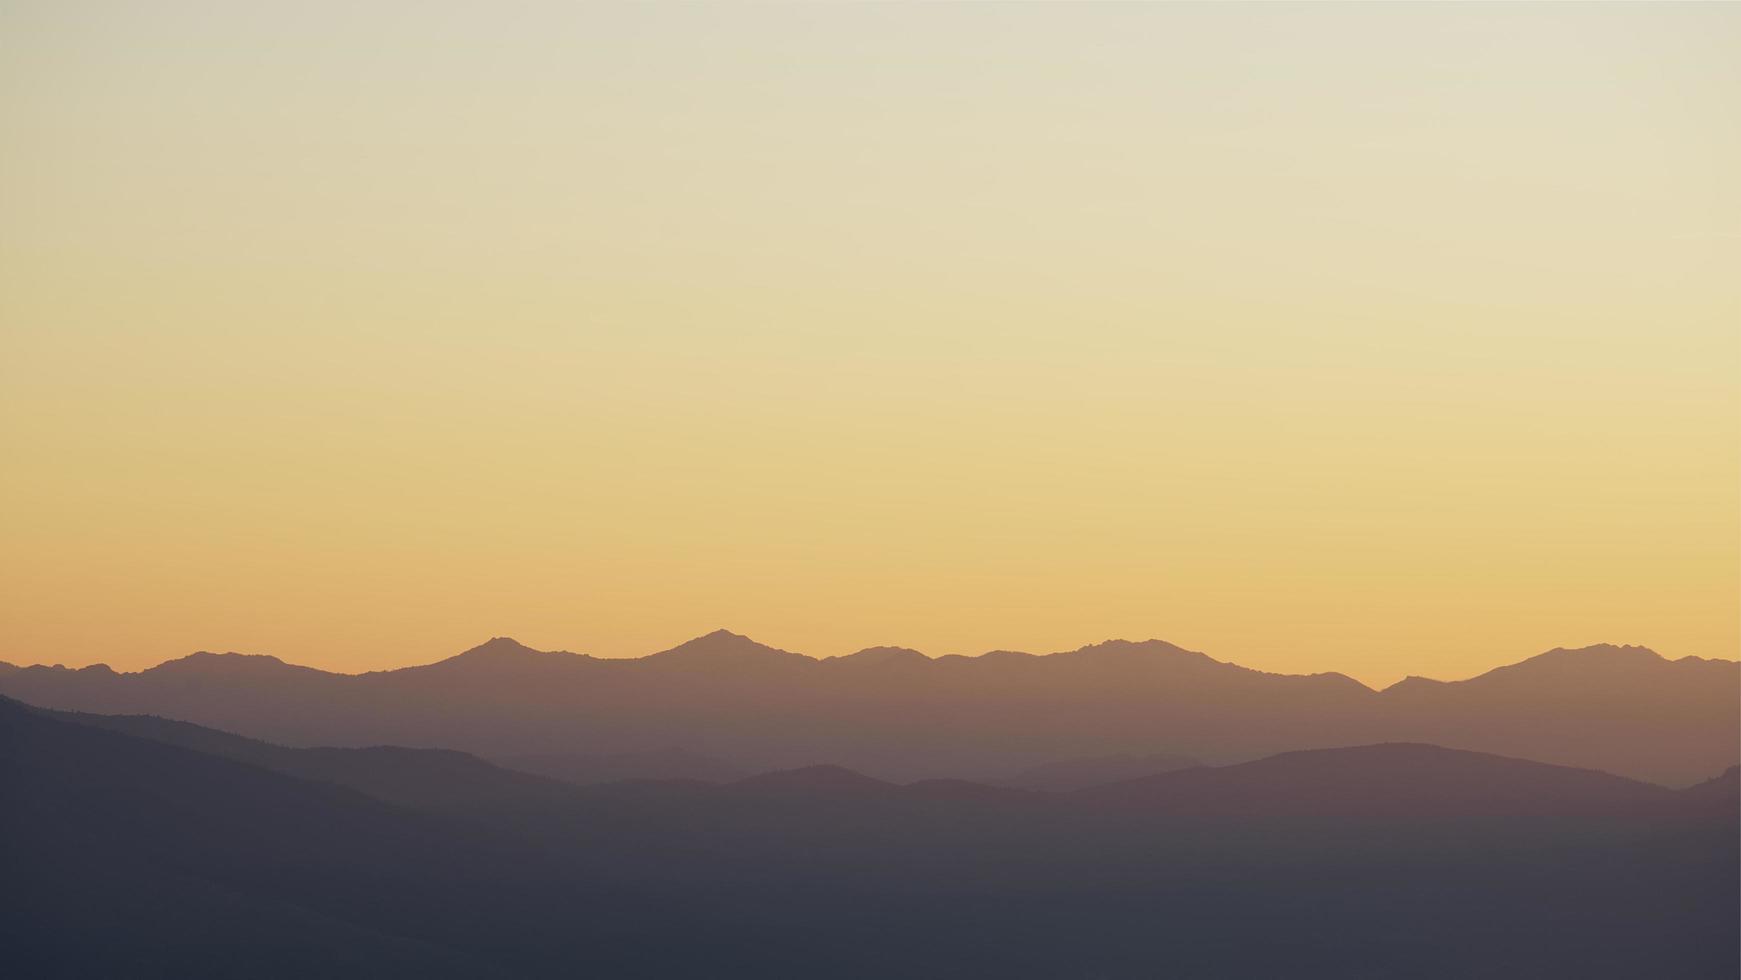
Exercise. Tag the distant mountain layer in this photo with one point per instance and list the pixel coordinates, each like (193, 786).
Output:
(586, 769)
(1074, 774)
(1386, 782)
(723, 705)
(177, 851)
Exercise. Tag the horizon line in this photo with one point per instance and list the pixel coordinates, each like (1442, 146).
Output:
(729, 634)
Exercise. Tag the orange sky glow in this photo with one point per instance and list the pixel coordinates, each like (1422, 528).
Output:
(1379, 339)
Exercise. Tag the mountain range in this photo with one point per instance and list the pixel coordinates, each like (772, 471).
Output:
(722, 706)
(136, 846)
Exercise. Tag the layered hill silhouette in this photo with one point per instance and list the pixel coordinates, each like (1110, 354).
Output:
(131, 856)
(722, 705)
(433, 779)
(1382, 782)
(144, 848)
(1396, 781)
(1073, 774)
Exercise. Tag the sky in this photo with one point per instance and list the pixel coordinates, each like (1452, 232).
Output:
(1380, 339)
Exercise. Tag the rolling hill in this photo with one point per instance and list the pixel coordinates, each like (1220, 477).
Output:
(129, 855)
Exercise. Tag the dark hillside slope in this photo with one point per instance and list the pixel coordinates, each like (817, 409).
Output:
(131, 857)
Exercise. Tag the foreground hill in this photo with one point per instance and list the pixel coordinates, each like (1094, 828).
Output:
(432, 779)
(722, 704)
(130, 856)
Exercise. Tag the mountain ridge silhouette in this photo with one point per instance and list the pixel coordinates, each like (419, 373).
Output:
(898, 714)
(724, 641)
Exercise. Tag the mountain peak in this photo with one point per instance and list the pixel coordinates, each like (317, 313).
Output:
(1561, 663)
(1335, 679)
(1137, 648)
(507, 656)
(206, 662)
(884, 655)
(498, 646)
(1607, 651)
(1414, 682)
(1583, 661)
(723, 646)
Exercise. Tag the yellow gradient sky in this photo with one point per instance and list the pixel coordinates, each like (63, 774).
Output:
(1385, 340)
